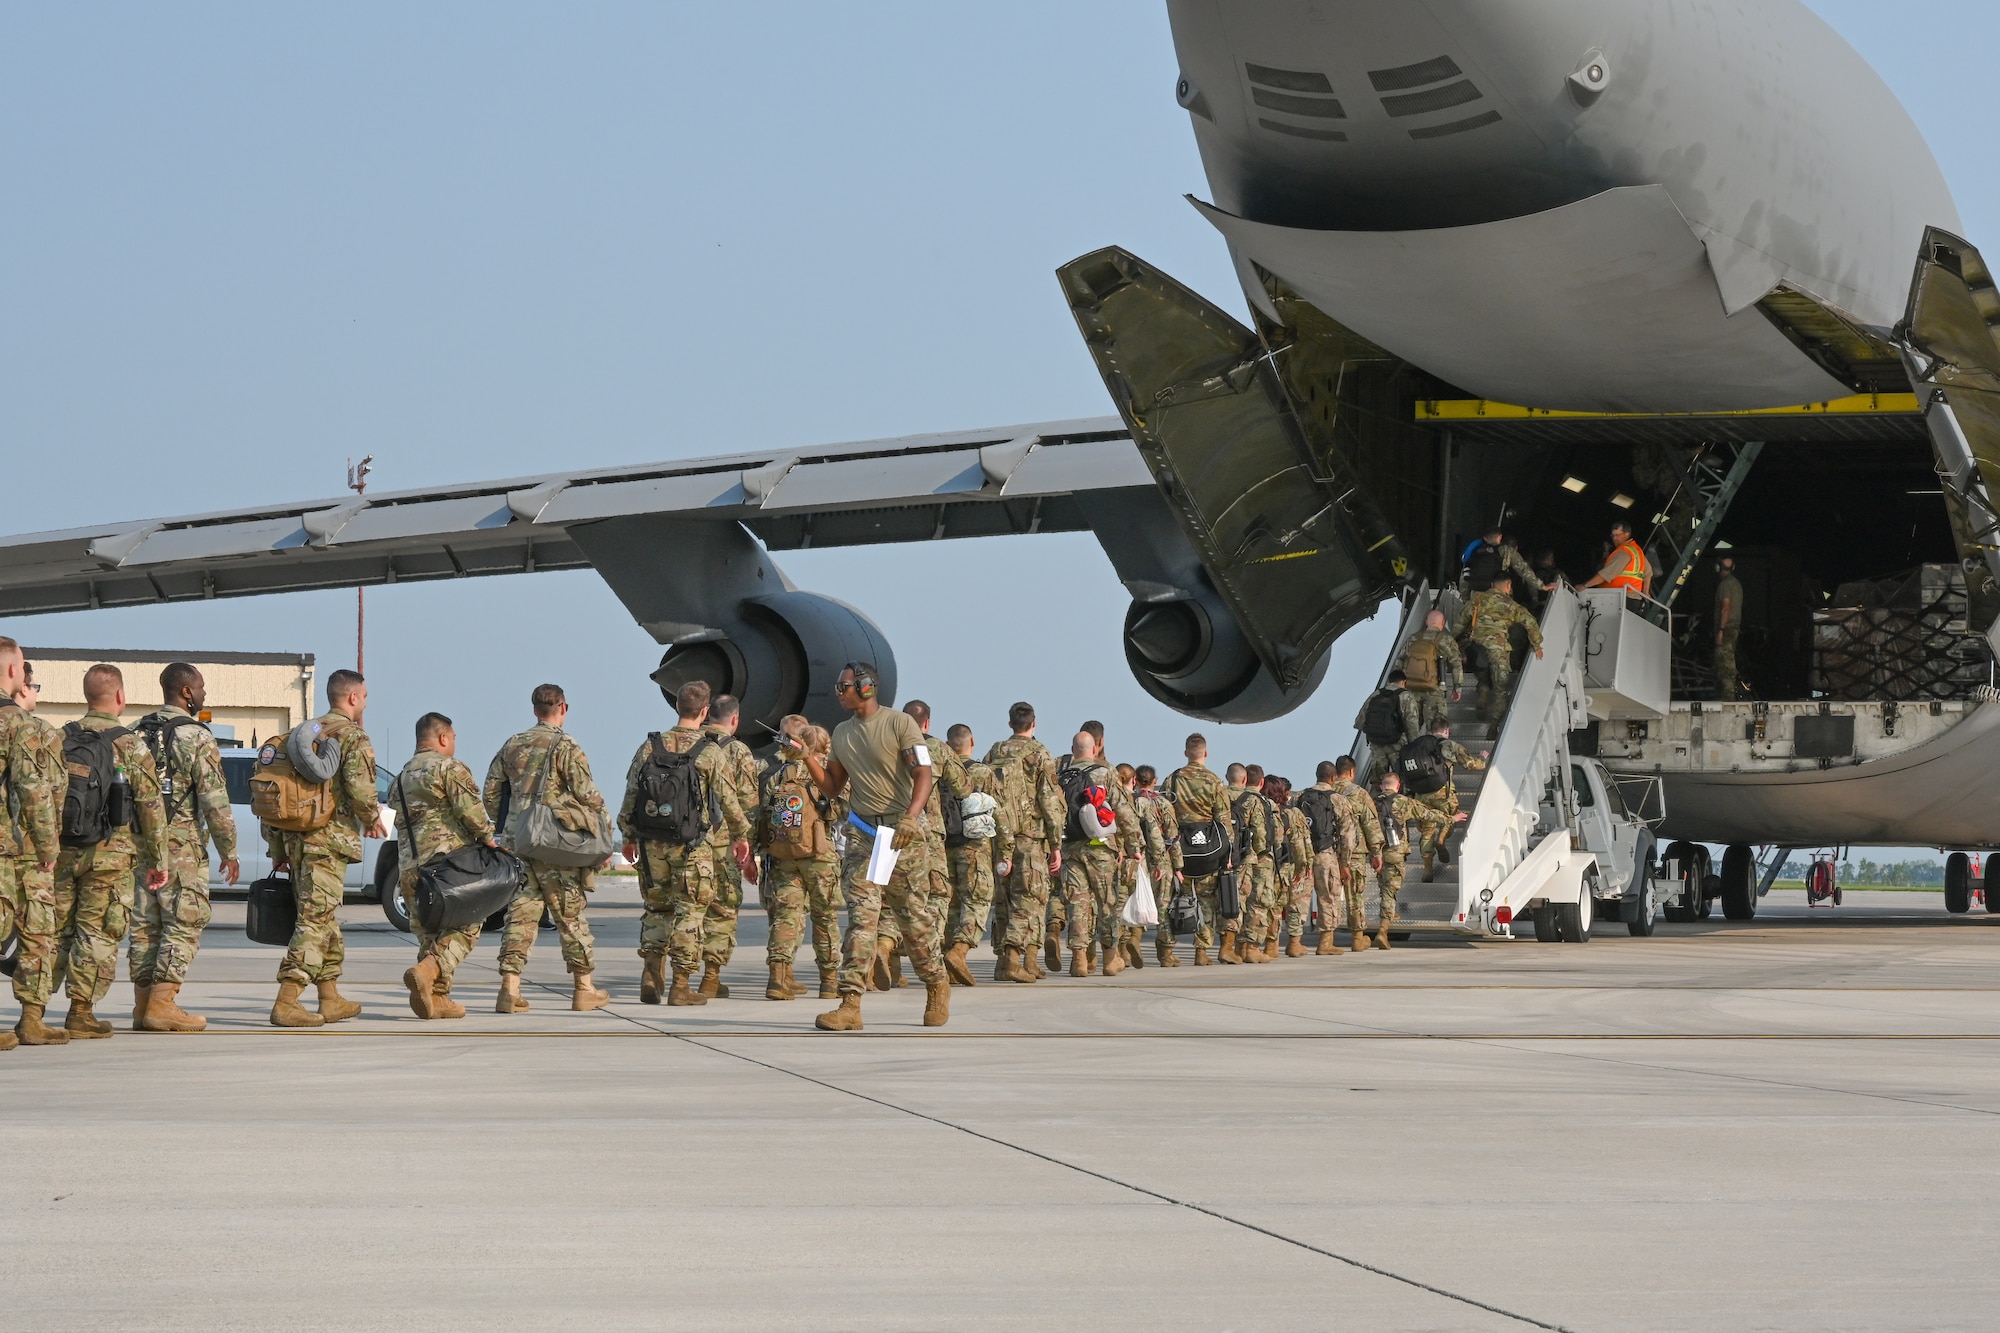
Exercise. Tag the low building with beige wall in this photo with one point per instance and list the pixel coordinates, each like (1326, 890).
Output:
(255, 696)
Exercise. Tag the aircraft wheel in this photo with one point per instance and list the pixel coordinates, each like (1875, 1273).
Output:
(1682, 854)
(1711, 885)
(1647, 909)
(1545, 923)
(1739, 883)
(1573, 919)
(1958, 883)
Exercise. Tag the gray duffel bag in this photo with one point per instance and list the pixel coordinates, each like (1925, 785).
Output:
(536, 834)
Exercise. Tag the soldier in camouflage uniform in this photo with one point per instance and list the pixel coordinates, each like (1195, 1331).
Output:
(1728, 627)
(167, 926)
(1200, 797)
(1364, 853)
(949, 784)
(93, 885)
(439, 811)
(1424, 704)
(1160, 856)
(1329, 863)
(718, 928)
(1485, 621)
(544, 765)
(1091, 865)
(790, 884)
(973, 864)
(318, 862)
(1396, 813)
(1252, 820)
(678, 883)
(1445, 799)
(1409, 710)
(31, 781)
(1028, 774)
(1295, 874)
(1495, 553)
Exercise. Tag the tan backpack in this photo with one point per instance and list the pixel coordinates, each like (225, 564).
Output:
(796, 829)
(1420, 665)
(283, 798)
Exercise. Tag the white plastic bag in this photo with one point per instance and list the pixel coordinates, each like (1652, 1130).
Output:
(1140, 908)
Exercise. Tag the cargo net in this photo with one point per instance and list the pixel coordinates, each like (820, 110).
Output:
(1902, 638)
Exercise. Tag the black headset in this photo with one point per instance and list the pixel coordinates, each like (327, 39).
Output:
(865, 681)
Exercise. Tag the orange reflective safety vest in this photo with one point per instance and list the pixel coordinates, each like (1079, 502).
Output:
(1633, 580)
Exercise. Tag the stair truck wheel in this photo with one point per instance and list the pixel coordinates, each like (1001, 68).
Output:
(1739, 883)
(388, 886)
(1958, 883)
(1682, 855)
(1545, 922)
(1573, 919)
(1643, 908)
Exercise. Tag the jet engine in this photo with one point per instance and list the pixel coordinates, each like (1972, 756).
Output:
(1189, 653)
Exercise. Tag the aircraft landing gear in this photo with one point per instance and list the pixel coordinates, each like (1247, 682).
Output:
(1739, 883)
(1958, 884)
(1693, 861)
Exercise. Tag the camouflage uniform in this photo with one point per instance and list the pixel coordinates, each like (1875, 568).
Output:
(1445, 799)
(1160, 843)
(1329, 867)
(904, 903)
(1295, 885)
(1362, 806)
(1256, 885)
(1200, 797)
(718, 927)
(1396, 814)
(319, 860)
(676, 883)
(1090, 869)
(93, 885)
(972, 864)
(572, 796)
(439, 811)
(799, 890)
(1028, 774)
(167, 926)
(1423, 707)
(31, 781)
(947, 780)
(1726, 682)
(1382, 758)
(1485, 619)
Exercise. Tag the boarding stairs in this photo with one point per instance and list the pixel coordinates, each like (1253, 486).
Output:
(1600, 661)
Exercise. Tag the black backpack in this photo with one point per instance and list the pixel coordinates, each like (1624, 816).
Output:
(954, 819)
(1075, 782)
(1422, 766)
(1382, 718)
(158, 733)
(1483, 566)
(98, 800)
(1239, 808)
(1321, 817)
(1281, 843)
(674, 803)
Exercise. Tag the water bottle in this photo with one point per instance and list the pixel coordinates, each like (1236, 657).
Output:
(118, 801)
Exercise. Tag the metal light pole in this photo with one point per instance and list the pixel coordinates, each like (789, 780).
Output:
(357, 481)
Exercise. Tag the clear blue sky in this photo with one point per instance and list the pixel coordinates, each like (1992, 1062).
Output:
(244, 242)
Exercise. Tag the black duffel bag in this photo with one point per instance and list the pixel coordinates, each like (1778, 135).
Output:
(1204, 849)
(464, 887)
(273, 913)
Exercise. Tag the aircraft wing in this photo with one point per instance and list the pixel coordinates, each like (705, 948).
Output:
(1014, 479)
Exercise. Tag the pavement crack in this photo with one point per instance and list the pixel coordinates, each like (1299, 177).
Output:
(1190, 1205)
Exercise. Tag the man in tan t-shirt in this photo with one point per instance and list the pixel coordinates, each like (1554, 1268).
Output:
(882, 766)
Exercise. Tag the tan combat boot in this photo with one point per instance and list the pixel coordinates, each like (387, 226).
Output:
(1201, 958)
(652, 979)
(1227, 953)
(1427, 867)
(775, 988)
(1327, 943)
(678, 995)
(333, 1006)
(1359, 942)
(1011, 968)
(1163, 949)
(896, 978)
(954, 965)
(1382, 936)
(289, 1013)
(585, 996)
(847, 1018)
(422, 981)
(163, 1012)
(1031, 960)
(1246, 952)
(1079, 963)
(829, 983)
(798, 988)
(34, 1032)
(937, 1003)
(1296, 949)
(1114, 960)
(8, 1041)
(1052, 951)
(711, 981)
(82, 1024)
(443, 1006)
(141, 997)
(510, 1000)
(878, 974)
(1000, 960)
(1134, 955)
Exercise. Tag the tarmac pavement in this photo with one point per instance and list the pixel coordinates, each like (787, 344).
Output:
(1768, 1124)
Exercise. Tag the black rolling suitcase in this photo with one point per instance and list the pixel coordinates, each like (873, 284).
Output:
(273, 913)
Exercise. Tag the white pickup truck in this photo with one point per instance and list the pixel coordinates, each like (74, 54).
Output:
(1614, 819)
(371, 880)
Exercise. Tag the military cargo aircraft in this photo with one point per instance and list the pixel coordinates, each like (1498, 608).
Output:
(1540, 262)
